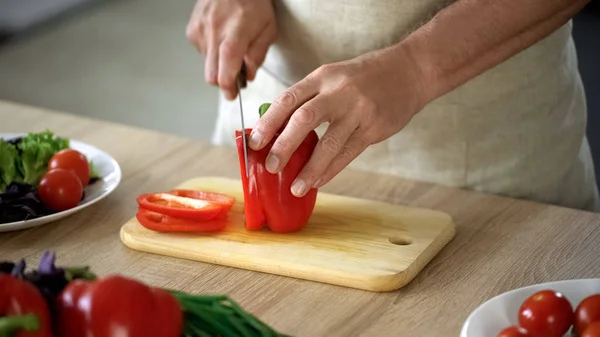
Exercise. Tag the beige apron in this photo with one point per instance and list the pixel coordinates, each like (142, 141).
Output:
(517, 130)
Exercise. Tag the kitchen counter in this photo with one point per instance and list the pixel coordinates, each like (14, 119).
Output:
(500, 243)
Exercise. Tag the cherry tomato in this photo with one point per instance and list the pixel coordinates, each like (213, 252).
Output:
(546, 313)
(60, 190)
(72, 160)
(587, 311)
(592, 330)
(514, 331)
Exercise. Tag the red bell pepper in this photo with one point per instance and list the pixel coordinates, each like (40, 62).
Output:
(117, 306)
(187, 204)
(164, 223)
(23, 309)
(268, 199)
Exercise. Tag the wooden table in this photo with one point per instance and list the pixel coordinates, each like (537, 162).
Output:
(501, 243)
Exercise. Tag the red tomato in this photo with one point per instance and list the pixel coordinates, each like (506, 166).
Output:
(72, 160)
(587, 311)
(546, 313)
(514, 331)
(60, 190)
(592, 330)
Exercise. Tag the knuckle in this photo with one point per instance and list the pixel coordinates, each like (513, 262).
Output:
(281, 146)
(309, 173)
(349, 86)
(366, 104)
(226, 82)
(305, 115)
(211, 78)
(372, 136)
(354, 147)
(368, 112)
(213, 22)
(191, 33)
(330, 144)
(349, 151)
(228, 49)
(325, 69)
(288, 99)
(265, 124)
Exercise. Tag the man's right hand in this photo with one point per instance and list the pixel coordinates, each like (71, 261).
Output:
(229, 32)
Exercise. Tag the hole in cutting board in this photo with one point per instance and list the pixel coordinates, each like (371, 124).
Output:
(401, 240)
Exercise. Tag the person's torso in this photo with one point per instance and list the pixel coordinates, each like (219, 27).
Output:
(518, 127)
(313, 32)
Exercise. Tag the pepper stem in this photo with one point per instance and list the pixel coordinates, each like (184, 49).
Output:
(79, 273)
(263, 108)
(10, 324)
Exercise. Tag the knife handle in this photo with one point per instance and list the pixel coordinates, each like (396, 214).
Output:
(242, 76)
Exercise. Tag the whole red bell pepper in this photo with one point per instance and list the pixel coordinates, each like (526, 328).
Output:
(117, 306)
(23, 310)
(268, 199)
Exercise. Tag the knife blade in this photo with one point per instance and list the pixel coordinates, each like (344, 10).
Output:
(241, 83)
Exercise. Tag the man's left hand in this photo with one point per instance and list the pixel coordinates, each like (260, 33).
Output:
(365, 101)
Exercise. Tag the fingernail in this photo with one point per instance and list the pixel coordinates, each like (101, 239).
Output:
(317, 183)
(298, 188)
(255, 139)
(272, 163)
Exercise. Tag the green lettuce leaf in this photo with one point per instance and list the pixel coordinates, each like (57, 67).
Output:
(36, 151)
(93, 171)
(8, 164)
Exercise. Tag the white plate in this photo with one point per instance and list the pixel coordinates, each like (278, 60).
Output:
(106, 166)
(502, 311)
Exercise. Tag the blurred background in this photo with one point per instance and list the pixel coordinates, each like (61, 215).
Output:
(129, 61)
(120, 60)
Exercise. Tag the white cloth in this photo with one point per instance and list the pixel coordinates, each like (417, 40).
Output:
(516, 130)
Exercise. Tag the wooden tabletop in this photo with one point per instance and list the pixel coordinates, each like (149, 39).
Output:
(500, 244)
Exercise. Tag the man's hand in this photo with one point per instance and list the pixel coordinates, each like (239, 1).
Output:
(365, 100)
(229, 32)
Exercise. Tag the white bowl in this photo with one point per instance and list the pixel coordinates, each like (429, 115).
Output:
(502, 311)
(110, 177)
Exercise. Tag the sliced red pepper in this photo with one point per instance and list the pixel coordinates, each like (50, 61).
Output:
(117, 306)
(23, 309)
(222, 199)
(268, 199)
(164, 223)
(191, 205)
(255, 216)
(226, 201)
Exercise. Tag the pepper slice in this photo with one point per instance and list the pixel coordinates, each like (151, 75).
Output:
(187, 204)
(164, 223)
(255, 216)
(226, 201)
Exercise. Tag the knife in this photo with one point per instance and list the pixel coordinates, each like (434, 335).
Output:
(241, 83)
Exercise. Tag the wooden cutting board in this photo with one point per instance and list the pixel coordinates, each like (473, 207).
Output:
(349, 242)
